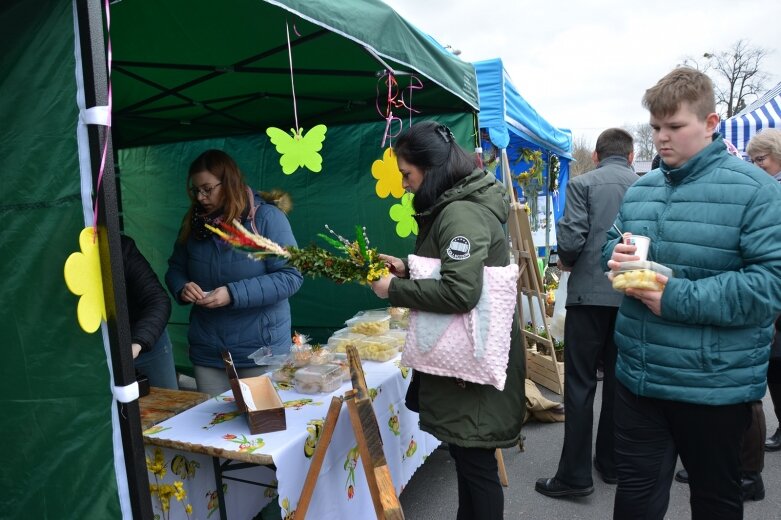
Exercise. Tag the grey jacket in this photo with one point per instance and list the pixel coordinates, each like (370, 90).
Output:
(592, 202)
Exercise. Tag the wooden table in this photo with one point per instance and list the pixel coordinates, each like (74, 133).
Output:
(163, 403)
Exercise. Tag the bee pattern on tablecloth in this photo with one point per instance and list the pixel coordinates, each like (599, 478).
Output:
(184, 468)
(393, 422)
(213, 503)
(315, 428)
(404, 370)
(412, 447)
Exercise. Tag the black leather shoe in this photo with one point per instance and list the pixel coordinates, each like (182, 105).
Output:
(607, 478)
(752, 487)
(555, 488)
(774, 443)
(682, 476)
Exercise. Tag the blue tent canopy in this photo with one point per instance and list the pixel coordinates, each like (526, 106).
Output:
(765, 112)
(512, 124)
(504, 112)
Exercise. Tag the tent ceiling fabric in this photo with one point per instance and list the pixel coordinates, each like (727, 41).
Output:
(202, 69)
(765, 112)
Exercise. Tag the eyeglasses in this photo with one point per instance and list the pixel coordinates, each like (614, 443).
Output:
(759, 159)
(205, 191)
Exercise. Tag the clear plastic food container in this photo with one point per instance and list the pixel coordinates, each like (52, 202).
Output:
(640, 275)
(369, 324)
(316, 379)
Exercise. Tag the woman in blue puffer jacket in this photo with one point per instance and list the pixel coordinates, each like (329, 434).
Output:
(239, 304)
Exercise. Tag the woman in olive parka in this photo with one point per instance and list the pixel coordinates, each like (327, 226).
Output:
(460, 211)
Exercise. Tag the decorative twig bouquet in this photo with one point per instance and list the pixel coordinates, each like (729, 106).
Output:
(356, 261)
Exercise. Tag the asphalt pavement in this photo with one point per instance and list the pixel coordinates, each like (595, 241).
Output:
(432, 492)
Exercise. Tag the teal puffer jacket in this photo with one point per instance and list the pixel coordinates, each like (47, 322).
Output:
(716, 222)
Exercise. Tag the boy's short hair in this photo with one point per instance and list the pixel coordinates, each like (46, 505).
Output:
(683, 84)
(614, 141)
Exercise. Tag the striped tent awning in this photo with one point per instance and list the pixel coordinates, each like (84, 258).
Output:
(765, 112)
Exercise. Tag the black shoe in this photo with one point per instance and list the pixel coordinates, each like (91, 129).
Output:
(774, 443)
(752, 487)
(682, 476)
(555, 488)
(607, 478)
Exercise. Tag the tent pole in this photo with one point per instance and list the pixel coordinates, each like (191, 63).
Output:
(95, 75)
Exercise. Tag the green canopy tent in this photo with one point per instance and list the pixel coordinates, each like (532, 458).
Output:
(186, 75)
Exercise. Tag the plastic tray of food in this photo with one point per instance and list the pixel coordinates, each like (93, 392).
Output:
(369, 324)
(640, 275)
(316, 379)
(380, 355)
(338, 343)
(284, 374)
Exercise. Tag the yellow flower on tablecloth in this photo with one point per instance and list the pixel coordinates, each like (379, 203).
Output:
(403, 214)
(386, 171)
(83, 278)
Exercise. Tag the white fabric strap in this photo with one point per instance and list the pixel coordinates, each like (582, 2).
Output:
(126, 394)
(97, 116)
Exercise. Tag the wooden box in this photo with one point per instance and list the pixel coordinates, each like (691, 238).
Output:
(257, 397)
(543, 370)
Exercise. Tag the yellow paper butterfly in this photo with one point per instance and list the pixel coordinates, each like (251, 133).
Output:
(299, 149)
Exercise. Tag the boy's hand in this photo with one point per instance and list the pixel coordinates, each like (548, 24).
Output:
(651, 299)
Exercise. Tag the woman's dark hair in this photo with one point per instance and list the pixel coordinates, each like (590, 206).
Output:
(431, 147)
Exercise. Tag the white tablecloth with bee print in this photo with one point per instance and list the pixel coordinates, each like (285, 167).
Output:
(341, 492)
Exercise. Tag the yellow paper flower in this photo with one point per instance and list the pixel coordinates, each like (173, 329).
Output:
(402, 214)
(386, 171)
(83, 278)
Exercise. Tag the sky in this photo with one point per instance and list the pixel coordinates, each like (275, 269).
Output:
(585, 65)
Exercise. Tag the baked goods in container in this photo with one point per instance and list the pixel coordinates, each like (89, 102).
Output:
(317, 379)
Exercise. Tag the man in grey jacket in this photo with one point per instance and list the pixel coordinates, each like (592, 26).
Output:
(592, 202)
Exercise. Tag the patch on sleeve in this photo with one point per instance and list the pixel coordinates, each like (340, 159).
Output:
(458, 248)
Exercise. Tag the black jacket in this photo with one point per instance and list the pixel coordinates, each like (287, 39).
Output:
(147, 301)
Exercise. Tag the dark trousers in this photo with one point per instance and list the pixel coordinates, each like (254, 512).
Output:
(651, 433)
(753, 455)
(774, 384)
(480, 495)
(588, 338)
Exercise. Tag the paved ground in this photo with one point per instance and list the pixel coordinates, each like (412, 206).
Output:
(432, 493)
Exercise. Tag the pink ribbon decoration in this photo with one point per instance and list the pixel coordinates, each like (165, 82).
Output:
(394, 100)
(108, 123)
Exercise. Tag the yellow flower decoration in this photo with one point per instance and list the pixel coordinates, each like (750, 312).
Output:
(386, 171)
(402, 214)
(83, 278)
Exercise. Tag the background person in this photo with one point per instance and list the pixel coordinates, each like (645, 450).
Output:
(693, 356)
(149, 308)
(592, 204)
(764, 150)
(239, 304)
(453, 200)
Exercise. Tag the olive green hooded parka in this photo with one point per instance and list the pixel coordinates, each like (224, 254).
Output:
(464, 230)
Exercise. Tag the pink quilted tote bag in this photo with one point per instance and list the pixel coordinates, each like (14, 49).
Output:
(474, 346)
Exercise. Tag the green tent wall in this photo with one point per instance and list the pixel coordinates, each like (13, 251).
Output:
(56, 400)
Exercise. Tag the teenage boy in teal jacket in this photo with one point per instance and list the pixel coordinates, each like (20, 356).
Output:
(693, 356)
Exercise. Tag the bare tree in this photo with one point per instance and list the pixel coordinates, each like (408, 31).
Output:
(643, 135)
(736, 73)
(581, 153)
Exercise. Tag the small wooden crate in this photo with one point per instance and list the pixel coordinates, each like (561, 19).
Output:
(268, 415)
(542, 370)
